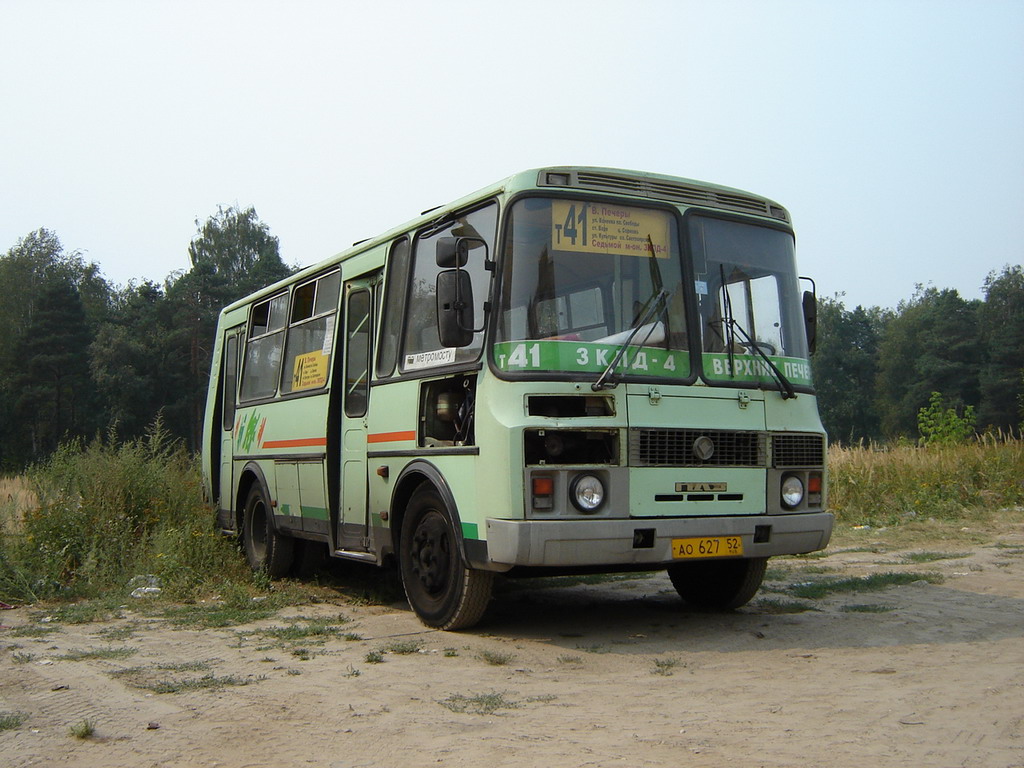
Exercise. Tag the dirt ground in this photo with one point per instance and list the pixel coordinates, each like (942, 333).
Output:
(606, 673)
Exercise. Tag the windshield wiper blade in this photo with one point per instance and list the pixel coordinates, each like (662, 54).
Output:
(786, 386)
(648, 313)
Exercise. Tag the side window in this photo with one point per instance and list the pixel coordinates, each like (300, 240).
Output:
(422, 346)
(229, 381)
(394, 307)
(263, 348)
(357, 353)
(311, 334)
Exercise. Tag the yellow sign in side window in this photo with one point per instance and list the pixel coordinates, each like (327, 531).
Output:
(310, 371)
(608, 228)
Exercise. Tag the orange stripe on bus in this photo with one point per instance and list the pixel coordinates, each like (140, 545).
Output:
(390, 437)
(302, 442)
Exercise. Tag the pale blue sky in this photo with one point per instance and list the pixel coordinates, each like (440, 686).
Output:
(893, 131)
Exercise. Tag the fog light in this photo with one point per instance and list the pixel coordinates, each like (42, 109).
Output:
(792, 491)
(587, 493)
(543, 492)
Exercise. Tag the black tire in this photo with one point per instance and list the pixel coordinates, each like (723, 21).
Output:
(265, 549)
(442, 590)
(718, 585)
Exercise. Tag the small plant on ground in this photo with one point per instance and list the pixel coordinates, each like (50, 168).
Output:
(873, 583)
(9, 721)
(403, 647)
(374, 657)
(480, 704)
(665, 666)
(85, 729)
(497, 658)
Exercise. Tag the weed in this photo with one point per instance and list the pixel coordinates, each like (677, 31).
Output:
(352, 672)
(497, 658)
(119, 633)
(873, 583)
(34, 630)
(403, 647)
(480, 704)
(773, 606)
(302, 654)
(85, 729)
(665, 666)
(568, 658)
(98, 653)
(351, 637)
(866, 608)
(930, 557)
(451, 652)
(374, 657)
(596, 648)
(316, 630)
(10, 721)
(147, 680)
(294, 672)
(22, 658)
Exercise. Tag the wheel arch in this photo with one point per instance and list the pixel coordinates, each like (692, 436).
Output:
(415, 475)
(251, 475)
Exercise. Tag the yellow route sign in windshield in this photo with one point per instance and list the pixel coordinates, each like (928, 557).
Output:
(608, 228)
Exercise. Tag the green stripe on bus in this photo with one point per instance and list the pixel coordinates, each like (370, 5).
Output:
(470, 531)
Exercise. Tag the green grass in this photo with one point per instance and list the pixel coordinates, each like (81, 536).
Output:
(85, 729)
(10, 721)
(374, 657)
(815, 590)
(98, 653)
(497, 658)
(154, 680)
(866, 608)
(318, 631)
(479, 704)
(931, 557)
(665, 667)
(403, 647)
(771, 605)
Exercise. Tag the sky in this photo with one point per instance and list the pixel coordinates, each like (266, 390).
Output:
(892, 131)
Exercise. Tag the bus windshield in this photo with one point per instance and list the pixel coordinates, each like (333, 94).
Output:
(585, 283)
(598, 288)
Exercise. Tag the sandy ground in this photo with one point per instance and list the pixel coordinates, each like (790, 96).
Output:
(608, 674)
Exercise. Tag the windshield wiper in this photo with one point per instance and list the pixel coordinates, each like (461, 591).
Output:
(784, 383)
(648, 313)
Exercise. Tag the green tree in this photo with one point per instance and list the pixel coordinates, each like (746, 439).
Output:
(1001, 329)
(845, 368)
(232, 255)
(931, 345)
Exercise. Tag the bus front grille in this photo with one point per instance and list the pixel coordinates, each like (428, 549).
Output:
(696, 448)
(798, 451)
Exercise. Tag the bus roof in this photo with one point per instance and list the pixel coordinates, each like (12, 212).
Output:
(593, 179)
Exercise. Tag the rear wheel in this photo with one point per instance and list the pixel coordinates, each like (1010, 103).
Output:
(718, 585)
(442, 590)
(265, 548)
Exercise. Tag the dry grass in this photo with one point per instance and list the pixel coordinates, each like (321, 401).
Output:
(874, 485)
(16, 498)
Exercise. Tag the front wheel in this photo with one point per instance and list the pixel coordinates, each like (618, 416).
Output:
(718, 585)
(442, 590)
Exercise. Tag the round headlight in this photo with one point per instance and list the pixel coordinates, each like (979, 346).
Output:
(587, 493)
(792, 491)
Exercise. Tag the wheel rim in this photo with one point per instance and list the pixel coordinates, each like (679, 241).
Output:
(258, 529)
(431, 555)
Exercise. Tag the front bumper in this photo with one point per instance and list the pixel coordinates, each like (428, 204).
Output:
(641, 541)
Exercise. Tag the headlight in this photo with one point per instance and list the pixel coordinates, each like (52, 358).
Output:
(792, 491)
(587, 493)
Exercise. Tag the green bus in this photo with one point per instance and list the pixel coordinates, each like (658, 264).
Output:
(573, 370)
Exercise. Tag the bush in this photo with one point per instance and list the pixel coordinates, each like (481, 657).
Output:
(108, 512)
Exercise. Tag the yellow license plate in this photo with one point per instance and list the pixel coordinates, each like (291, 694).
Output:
(708, 546)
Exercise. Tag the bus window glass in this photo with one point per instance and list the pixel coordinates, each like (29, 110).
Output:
(262, 364)
(310, 339)
(394, 307)
(422, 345)
(357, 353)
(579, 278)
(229, 381)
(748, 300)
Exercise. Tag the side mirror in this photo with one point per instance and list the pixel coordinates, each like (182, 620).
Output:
(453, 252)
(811, 320)
(454, 307)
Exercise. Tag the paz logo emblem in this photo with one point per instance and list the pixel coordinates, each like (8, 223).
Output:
(703, 448)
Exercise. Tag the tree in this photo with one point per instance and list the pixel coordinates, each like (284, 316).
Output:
(931, 345)
(232, 255)
(845, 368)
(1001, 329)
